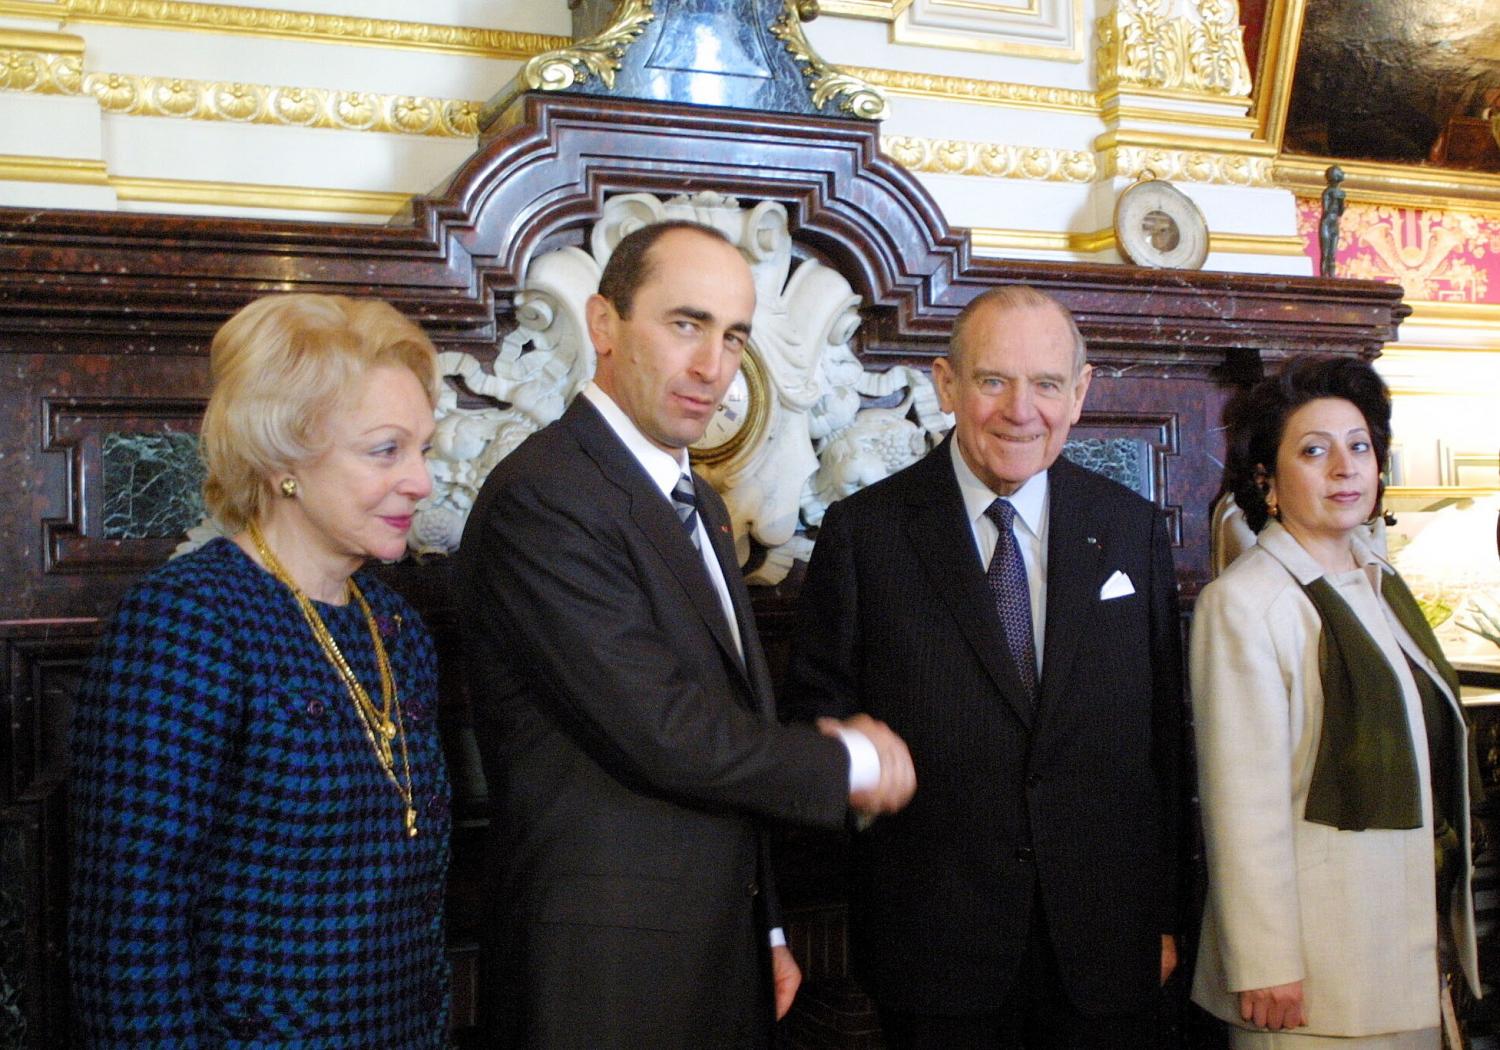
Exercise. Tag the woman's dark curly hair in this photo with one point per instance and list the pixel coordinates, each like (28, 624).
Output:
(1256, 420)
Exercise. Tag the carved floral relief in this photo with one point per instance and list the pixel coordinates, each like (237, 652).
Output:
(822, 426)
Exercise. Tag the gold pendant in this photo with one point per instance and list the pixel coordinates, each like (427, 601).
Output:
(411, 823)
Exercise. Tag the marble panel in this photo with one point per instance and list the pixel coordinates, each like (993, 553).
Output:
(1122, 459)
(152, 485)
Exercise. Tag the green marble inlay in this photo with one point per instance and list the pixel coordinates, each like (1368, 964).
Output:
(152, 485)
(1126, 460)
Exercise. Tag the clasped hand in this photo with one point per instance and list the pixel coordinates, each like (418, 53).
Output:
(898, 778)
(1274, 1008)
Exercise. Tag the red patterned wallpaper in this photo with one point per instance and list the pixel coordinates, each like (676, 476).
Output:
(1445, 256)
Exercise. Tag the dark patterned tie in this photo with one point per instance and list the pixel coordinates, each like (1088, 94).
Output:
(1007, 579)
(685, 502)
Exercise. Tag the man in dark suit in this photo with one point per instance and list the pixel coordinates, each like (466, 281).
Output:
(621, 700)
(1029, 654)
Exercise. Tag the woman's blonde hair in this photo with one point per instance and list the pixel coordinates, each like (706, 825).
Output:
(280, 366)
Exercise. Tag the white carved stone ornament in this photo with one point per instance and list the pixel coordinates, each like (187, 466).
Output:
(809, 424)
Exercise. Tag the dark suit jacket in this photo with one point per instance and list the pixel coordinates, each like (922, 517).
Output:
(630, 754)
(1077, 799)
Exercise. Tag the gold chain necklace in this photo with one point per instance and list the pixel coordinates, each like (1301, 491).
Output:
(380, 729)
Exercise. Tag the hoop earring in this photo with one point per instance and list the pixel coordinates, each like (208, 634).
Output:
(288, 487)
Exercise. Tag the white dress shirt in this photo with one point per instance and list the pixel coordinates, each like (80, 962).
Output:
(664, 469)
(1029, 527)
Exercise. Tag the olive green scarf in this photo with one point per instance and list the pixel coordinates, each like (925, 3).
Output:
(1366, 773)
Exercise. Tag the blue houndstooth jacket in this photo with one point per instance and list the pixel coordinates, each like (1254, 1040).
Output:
(242, 877)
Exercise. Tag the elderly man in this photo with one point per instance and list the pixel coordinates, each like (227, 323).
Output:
(1014, 618)
(621, 700)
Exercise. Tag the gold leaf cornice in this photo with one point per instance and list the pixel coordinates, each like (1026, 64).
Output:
(1137, 115)
(1141, 44)
(46, 43)
(983, 92)
(879, 10)
(1400, 185)
(71, 171)
(990, 159)
(251, 195)
(68, 170)
(45, 10)
(41, 72)
(1131, 153)
(1174, 165)
(1096, 241)
(1176, 141)
(183, 98)
(989, 238)
(1484, 316)
(307, 25)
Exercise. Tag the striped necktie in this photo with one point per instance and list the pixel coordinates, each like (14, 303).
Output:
(685, 502)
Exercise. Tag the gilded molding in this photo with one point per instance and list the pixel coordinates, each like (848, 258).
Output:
(1454, 315)
(129, 94)
(41, 72)
(1401, 185)
(598, 56)
(1113, 112)
(990, 159)
(1202, 50)
(989, 238)
(288, 106)
(1097, 241)
(983, 92)
(45, 10)
(877, 10)
(72, 171)
(1174, 165)
(1280, 40)
(1289, 245)
(999, 29)
(250, 195)
(307, 25)
(826, 82)
(46, 43)
(69, 170)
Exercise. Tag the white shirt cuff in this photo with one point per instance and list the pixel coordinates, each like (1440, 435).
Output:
(864, 760)
(778, 937)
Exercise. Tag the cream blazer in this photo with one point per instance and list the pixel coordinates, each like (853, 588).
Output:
(1349, 913)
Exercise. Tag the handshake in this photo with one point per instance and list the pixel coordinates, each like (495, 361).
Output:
(898, 778)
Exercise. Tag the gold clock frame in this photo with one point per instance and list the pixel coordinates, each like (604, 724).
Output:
(757, 420)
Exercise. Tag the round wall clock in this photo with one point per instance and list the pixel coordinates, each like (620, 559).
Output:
(1156, 224)
(741, 417)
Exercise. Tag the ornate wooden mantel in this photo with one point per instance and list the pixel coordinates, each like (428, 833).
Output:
(105, 321)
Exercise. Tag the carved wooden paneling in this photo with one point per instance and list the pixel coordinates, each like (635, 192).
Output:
(39, 668)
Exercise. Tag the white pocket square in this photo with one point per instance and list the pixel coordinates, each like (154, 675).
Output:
(1117, 586)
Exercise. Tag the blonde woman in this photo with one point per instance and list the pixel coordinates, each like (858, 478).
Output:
(260, 806)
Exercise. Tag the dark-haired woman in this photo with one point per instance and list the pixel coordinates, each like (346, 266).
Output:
(1333, 756)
